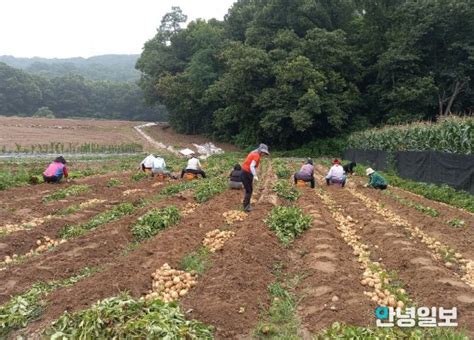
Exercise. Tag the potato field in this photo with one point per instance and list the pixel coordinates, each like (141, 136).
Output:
(127, 256)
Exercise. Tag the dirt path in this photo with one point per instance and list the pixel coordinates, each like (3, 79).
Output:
(330, 270)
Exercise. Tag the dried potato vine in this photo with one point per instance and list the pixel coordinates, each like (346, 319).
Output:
(374, 276)
(440, 251)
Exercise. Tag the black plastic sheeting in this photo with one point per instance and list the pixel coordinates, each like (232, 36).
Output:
(454, 170)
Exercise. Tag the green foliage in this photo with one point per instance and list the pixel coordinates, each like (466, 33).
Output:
(17, 175)
(73, 190)
(25, 307)
(70, 95)
(206, 189)
(139, 176)
(115, 213)
(441, 193)
(288, 223)
(281, 169)
(281, 321)
(125, 317)
(198, 261)
(113, 182)
(457, 223)
(409, 203)
(342, 331)
(155, 220)
(44, 112)
(450, 134)
(285, 190)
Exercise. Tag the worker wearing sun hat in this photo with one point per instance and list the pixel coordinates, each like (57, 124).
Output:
(249, 172)
(376, 180)
(336, 174)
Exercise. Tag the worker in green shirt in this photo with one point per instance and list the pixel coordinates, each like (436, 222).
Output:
(376, 180)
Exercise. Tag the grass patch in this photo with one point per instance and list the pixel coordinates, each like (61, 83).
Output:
(139, 176)
(198, 261)
(155, 220)
(73, 190)
(113, 182)
(124, 317)
(409, 203)
(288, 223)
(280, 321)
(115, 213)
(440, 193)
(25, 307)
(286, 191)
(281, 169)
(341, 331)
(457, 223)
(206, 189)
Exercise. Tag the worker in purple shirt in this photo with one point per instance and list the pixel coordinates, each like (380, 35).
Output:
(306, 173)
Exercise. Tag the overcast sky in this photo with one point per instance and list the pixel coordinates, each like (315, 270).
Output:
(72, 28)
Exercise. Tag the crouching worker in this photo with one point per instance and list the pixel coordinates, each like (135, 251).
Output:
(349, 168)
(306, 173)
(336, 174)
(159, 168)
(376, 180)
(147, 164)
(55, 171)
(235, 180)
(193, 167)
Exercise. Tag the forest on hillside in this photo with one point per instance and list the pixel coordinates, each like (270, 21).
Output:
(102, 87)
(290, 71)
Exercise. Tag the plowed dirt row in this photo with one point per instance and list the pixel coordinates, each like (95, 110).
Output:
(427, 281)
(239, 277)
(460, 239)
(96, 248)
(22, 241)
(132, 272)
(331, 270)
(25, 203)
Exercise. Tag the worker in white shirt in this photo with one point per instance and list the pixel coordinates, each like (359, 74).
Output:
(336, 174)
(193, 167)
(159, 167)
(147, 164)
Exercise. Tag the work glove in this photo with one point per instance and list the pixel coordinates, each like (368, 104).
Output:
(255, 177)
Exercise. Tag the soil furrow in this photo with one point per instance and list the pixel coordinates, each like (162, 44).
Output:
(427, 281)
(132, 272)
(331, 270)
(98, 247)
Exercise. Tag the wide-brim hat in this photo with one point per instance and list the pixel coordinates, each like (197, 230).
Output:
(369, 171)
(263, 148)
(336, 161)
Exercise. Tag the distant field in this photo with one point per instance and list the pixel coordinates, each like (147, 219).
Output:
(32, 131)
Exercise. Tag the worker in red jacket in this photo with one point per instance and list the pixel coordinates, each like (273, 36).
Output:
(249, 172)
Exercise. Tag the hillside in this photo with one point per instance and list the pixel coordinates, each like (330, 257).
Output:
(112, 67)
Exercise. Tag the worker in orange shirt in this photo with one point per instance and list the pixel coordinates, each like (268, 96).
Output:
(249, 172)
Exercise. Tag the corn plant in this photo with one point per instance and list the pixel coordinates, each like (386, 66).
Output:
(449, 134)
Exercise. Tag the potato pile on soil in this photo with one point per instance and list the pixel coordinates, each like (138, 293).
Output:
(233, 216)
(170, 284)
(215, 239)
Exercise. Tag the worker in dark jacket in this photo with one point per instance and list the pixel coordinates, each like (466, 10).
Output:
(235, 180)
(349, 168)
